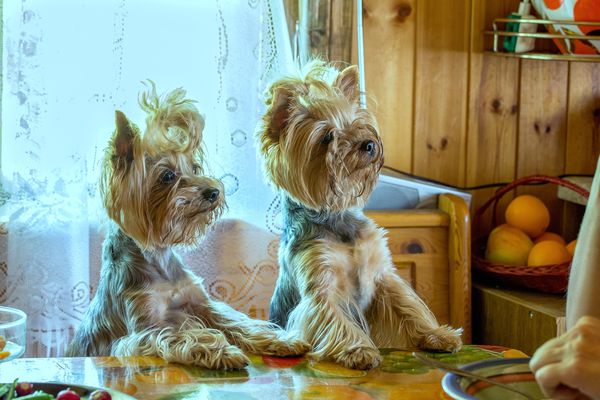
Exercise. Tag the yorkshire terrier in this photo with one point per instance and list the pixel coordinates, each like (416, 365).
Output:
(337, 284)
(157, 198)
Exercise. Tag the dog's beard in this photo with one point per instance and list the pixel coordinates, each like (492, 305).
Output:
(189, 221)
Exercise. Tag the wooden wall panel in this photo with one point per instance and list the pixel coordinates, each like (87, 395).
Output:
(583, 139)
(340, 26)
(493, 113)
(389, 40)
(543, 128)
(441, 87)
(449, 112)
(493, 124)
(318, 27)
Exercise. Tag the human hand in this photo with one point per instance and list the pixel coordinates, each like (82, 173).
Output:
(568, 367)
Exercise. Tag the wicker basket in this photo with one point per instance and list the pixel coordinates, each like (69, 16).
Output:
(547, 278)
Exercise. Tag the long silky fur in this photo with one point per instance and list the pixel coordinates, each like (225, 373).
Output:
(337, 284)
(148, 303)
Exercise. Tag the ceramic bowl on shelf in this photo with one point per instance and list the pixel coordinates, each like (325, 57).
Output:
(12, 333)
(572, 10)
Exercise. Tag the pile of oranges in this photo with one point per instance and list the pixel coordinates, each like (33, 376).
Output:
(523, 239)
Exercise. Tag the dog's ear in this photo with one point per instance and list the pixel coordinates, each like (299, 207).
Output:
(347, 83)
(279, 112)
(124, 139)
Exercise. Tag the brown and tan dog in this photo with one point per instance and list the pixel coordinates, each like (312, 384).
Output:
(337, 284)
(157, 198)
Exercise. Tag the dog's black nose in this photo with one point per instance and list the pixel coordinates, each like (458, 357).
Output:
(369, 146)
(211, 194)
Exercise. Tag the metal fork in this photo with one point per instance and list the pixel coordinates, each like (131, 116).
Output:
(447, 367)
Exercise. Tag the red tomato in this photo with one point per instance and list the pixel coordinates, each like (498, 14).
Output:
(100, 395)
(67, 394)
(24, 388)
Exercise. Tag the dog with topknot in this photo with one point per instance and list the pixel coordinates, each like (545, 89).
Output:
(337, 283)
(158, 199)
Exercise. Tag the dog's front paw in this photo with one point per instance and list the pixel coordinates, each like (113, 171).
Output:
(286, 348)
(359, 358)
(229, 358)
(443, 338)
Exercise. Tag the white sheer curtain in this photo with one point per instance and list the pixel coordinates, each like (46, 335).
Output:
(67, 65)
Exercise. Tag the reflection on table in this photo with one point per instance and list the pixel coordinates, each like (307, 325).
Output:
(399, 376)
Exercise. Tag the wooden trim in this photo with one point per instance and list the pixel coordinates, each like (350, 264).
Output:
(459, 262)
(410, 218)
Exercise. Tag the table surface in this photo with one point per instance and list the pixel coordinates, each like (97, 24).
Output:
(399, 376)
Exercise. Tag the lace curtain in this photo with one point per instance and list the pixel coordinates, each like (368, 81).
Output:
(67, 65)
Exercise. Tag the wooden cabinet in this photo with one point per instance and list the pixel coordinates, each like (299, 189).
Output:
(431, 249)
(515, 318)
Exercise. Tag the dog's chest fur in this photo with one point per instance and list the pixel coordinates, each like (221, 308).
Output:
(352, 247)
(158, 281)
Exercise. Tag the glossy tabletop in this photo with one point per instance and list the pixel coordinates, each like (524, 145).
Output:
(400, 376)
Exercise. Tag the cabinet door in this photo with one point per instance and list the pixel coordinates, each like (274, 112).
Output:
(421, 258)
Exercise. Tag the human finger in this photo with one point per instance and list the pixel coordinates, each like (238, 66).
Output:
(549, 378)
(546, 355)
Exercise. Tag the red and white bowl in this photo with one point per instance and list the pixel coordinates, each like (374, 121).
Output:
(572, 10)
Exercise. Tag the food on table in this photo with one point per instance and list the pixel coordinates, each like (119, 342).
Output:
(67, 394)
(24, 388)
(3, 354)
(100, 395)
(24, 391)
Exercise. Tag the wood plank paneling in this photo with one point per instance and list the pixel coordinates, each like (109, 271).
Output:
(583, 140)
(441, 85)
(318, 27)
(543, 128)
(340, 28)
(389, 39)
(493, 113)
(484, 13)
(493, 127)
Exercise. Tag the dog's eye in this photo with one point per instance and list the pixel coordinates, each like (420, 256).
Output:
(168, 176)
(327, 138)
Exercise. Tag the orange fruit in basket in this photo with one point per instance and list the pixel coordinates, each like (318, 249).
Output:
(571, 247)
(508, 245)
(548, 252)
(550, 236)
(529, 214)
